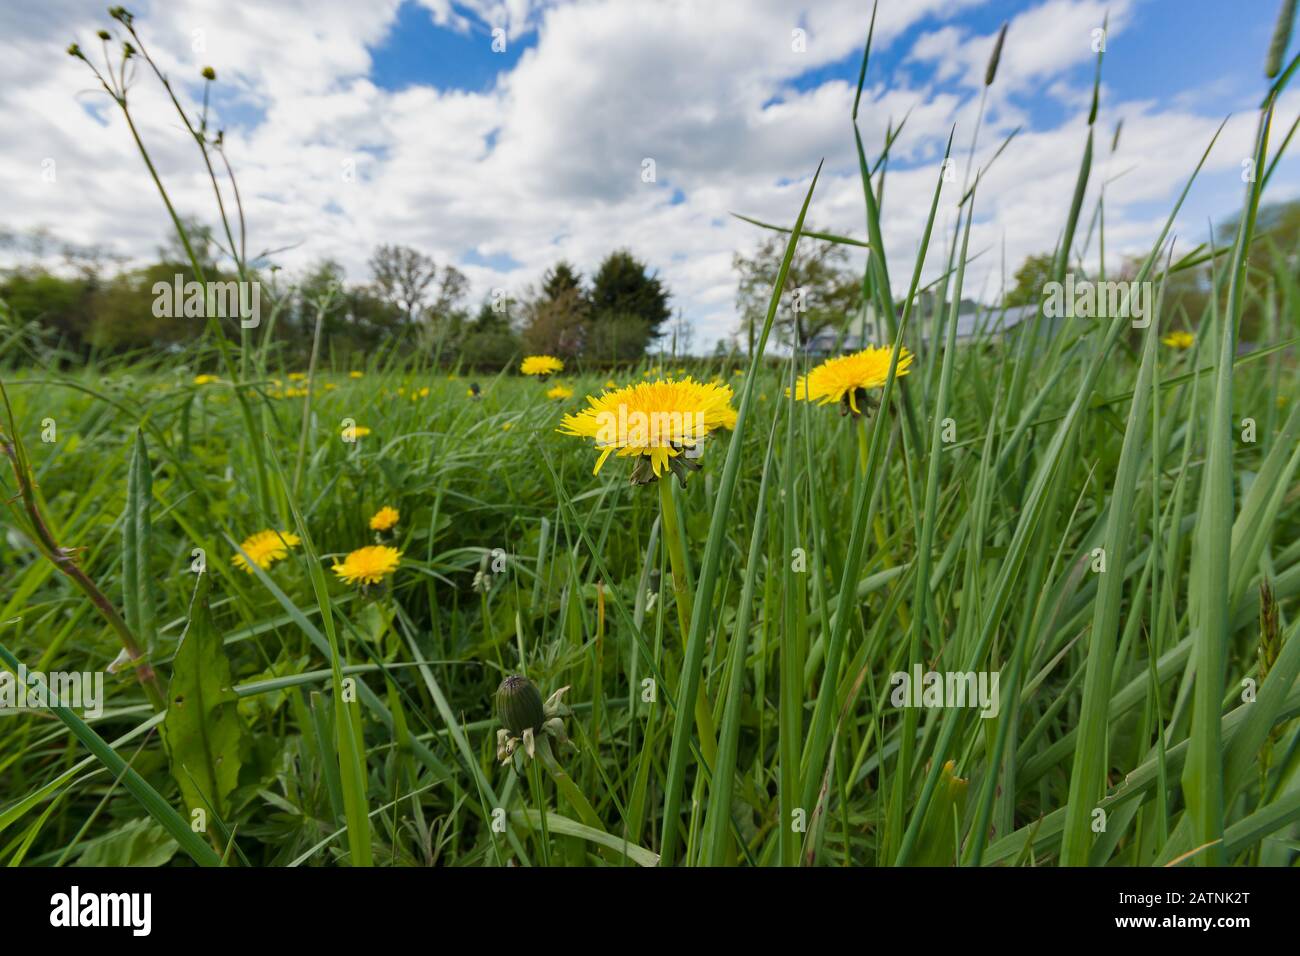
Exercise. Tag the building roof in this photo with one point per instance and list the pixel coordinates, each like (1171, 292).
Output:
(973, 321)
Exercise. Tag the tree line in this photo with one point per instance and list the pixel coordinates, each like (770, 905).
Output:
(94, 307)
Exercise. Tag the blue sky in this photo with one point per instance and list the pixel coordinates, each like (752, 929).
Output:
(1162, 62)
(355, 124)
(419, 51)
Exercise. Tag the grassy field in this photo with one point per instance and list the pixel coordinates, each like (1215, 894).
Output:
(1108, 523)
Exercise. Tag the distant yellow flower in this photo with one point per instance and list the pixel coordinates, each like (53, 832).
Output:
(358, 431)
(610, 383)
(559, 392)
(296, 376)
(654, 421)
(424, 392)
(264, 549)
(384, 519)
(205, 379)
(330, 386)
(506, 426)
(1179, 340)
(542, 365)
(368, 565)
(847, 378)
(356, 374)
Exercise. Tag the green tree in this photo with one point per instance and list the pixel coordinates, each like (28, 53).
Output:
(820, 291)
(126, 315)
(560, 279)
(58, 305)
(626, 296)
(1273, 264)
(557, 324)
(488, 339)
(618, 338)
(424, 294)
(1028, 281)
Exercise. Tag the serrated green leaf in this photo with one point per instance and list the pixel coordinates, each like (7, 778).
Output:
(203, 731)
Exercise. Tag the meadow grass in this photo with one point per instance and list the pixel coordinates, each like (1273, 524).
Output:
(1082, 510)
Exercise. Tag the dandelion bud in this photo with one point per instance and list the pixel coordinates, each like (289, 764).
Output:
(519, 705)
(103, 35)
(128, 51)
(992, 70)
(209, 73)
(74, 50)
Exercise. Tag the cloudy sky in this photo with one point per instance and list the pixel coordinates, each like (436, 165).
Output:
(502, 136)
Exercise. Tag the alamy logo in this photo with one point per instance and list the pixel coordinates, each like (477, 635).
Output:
(34, 690)
(653, 429)
(74, 908)
(1098, 300)
(200, 300)
(947, 689)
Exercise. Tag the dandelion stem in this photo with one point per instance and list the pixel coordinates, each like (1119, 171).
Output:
(862, 446)
(565, 785)
(682, 598)
(539, 798)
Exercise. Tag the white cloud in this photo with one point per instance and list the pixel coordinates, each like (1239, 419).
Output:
(548, 162)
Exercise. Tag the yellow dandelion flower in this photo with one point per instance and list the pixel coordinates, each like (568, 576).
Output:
(847, 378)
(559, 392)
(657, 422)
(356, 374)
(264, 549)
(206, 380)
(542, 365)
(1179, 340)
(424, 392)
(296, 376)
(368, 565)
(384, 519)
(358, 431)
